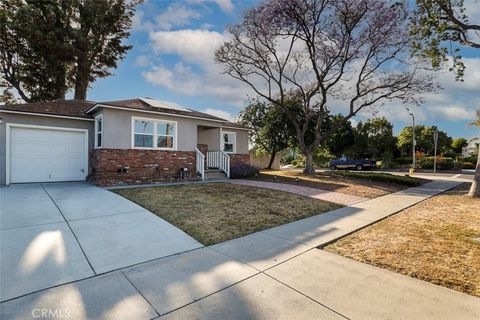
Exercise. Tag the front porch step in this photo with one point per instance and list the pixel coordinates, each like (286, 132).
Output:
(214, 174)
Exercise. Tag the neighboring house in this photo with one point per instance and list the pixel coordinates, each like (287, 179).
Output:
(115, 142)
(472, 148)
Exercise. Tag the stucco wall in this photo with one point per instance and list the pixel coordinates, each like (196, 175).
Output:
(118, 129)
(210, 137)
(37, 121)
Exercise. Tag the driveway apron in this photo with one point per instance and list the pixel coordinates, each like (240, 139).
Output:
(57, 233)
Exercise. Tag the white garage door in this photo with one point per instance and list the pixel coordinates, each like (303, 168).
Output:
(46, 155)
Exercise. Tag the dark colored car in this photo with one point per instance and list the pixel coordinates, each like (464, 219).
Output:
(349, 163)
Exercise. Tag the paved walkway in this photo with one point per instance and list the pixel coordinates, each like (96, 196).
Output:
(332, 196)
(274, 274)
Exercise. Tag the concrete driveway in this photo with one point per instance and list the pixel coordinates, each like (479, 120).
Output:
(51, 234)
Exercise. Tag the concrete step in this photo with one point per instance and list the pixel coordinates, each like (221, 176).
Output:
(215, 175)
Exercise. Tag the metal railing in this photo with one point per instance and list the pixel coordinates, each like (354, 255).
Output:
(220, 160)
(200, 163)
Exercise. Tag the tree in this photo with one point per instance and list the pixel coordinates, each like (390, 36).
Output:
(319, 50)
(340, 139)
(271, 129)
(475, 188)
(34, 48)
(374, 138)
(6, 96)
(424, 140)
(458, 144)
(98, 39)
(439, 23)
(49, 47)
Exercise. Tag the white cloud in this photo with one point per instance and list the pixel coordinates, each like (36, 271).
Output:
(142, 61)
(220, 113)
(452, 113)
(196, 73)
(194, 45)
(176, 15)
(225, 5)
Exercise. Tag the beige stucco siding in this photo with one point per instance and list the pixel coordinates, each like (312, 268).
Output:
(118, 128)
(37, 121)
(209, 136)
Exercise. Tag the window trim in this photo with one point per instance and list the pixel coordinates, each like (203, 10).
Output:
(100, 116)
(222, 145)
(155, 134)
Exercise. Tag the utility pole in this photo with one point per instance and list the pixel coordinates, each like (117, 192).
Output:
(414, 142)
(435, 140)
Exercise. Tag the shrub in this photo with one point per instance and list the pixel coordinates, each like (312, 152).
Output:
(321, 157)
(471, 159)
(467, 165)
(298, 163)
(239, 171)
(402, 161)
(443, 163)
(289, 159)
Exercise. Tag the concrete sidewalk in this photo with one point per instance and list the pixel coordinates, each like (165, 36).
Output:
(272, 274)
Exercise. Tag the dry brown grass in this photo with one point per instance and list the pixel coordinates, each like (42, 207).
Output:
(213, 213)
(327, 181)
(432, 241)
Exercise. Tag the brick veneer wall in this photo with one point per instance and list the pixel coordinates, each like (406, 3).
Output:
(132, 166)
(238, 158)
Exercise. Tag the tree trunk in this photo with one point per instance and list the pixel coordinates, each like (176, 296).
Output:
(82, 79)
(272, 158)
(309, 170)
(475, 188)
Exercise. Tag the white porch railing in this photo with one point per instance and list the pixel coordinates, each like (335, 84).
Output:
(200, 163)
(220, 160)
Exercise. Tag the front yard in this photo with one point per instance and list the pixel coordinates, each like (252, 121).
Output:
(217, 212)
(363, 184)
(437, 240)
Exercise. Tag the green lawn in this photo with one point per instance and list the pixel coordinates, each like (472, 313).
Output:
(217, 212)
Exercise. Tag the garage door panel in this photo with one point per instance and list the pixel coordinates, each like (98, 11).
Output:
(42, 155)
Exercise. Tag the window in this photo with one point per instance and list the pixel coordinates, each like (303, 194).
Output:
(228, 142)
(143, 134)
(165, 135)
(156, 134)
(98, 131)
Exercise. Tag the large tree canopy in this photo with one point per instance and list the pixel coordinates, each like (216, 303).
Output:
(437, 26)
(48, 47)
(325, 52)
(374, 139)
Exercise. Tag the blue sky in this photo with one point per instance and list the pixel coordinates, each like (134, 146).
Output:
(172, 59)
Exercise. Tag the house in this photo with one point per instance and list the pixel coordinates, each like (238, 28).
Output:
(472, 148)
(109, 143)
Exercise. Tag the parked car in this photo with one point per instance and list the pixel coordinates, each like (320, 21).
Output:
(349, 163)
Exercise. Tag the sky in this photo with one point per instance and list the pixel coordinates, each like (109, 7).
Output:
(172, 59)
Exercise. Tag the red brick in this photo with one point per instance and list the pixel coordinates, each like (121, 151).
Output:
(142, 166)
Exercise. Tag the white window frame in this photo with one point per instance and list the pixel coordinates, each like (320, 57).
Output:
(155, 134)
(100, 116)
(222, 145)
